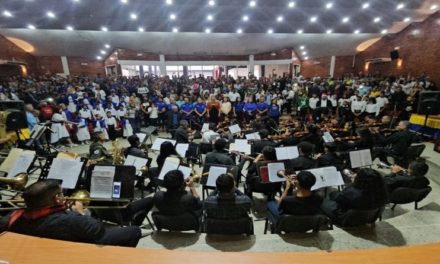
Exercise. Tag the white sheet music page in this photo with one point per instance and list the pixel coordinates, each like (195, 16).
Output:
(22, 164)
(169, 165)
(285, 153)
(213, 174)
(360, 158)
(235, 129)
(102, 182)
(205, 127)
(185, 170)
(326, 177)
(159, 141)
(67, 170)
(141, 137)
(327, 137)
(182, 148)
(253, 136)
(273, 169)
(135, 161)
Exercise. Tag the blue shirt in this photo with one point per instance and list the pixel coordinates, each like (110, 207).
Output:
(200, 107)
(239, 107)
(250, 107)
(274, 110)
(187, 107)
(31, 120)
(262, 106)
(161, 105)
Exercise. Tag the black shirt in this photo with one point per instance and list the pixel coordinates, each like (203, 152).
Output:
(301, 163)
(394, 181)
(176, 203)
(295, 205)
(232, 207)
(354, 198)
(216, 157)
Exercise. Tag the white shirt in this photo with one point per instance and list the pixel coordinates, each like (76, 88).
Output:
(110, 121)
(382, 101)
(208, 135)
(353, 98)
(115, 99)
(153, 112)
(357, 106)
(86, 114)
(313, 102)
(372, 109)
(342, 100)
(233, 96)
(290, 95)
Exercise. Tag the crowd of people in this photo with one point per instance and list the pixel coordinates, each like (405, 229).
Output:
(359, 111)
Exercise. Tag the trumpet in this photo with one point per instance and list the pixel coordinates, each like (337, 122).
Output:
(382, 165)
(18, 182)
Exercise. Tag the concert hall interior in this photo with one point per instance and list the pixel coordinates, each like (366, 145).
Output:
(241, 130)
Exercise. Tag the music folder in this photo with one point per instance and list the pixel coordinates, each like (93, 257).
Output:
(123, 181)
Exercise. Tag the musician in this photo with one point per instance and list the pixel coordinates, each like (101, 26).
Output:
(367, 192)
(97, 151)
(304, 161)
(46, 215)
(219, 155)
(134, 148)
(166, 150)
(297, 198)
(176, 200)
(313, 136)
(258, 145)
(181, 133)
(396, 144)
(366, 141)
(329, 157)
(210, 135)
(414, 177)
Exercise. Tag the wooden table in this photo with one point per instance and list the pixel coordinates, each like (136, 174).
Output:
(23, 249)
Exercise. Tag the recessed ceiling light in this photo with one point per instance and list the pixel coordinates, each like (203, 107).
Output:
(6, 13)
(208, 30)
(329, 31)
(376, 19)
(313, 19)
(400, 6)
(133, 16)
(104, 29)
(211, 3)
(304, 53)
(141, 29)
(357, 31)
(30, 26)
(252, 3)
(384, 31)
(306, 58)
(329, 5)
(280, 19)
(345, 19)
(76, 1)
(366, 5)
(299, 31)
(169, 2)
(270, 31)
(102, 52)
(239, 31)
(50, 14)
(210, 17)
(433, 7)
(291, 4)
(407, 19)
(98, 57)
(172, 16)
(70, 28)
(175, 30)
(245, 18)
(107, 46)
(302, 47)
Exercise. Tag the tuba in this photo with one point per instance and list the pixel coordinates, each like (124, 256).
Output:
(118, 152)
(18, 182)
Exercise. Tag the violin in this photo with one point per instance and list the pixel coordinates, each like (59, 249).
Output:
(349, 138)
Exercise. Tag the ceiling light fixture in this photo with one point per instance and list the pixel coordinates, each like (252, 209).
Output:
(70, 28)
(329, 31)
(291, 4)
(30, 26)
(400, 6)
(98, 57)
(6, 13)
(306, 58)
(104, 29)
(304, 53)
(175, 30)
(211, 3)
(357, 31)
(270, 31)
(299, 31)
(313, 19)
(280, 19)
(302, 47)
(433, 7)
(329, 5)
(172, 16)
(169, 2)
(141, 29)
(208, 30)
(210, 17)
(239, 31)
(376, 20)
(50, 14)
(102, 52)
(107, 46)
(245, 18)
(384, 31)
(345, 19)
(366, 5)
(133, 16)
(407, 19)
(252, 3)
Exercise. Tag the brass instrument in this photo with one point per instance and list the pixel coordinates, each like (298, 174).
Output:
(18, 182)
(118, 152)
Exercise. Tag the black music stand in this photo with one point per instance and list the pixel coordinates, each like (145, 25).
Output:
(232, 169)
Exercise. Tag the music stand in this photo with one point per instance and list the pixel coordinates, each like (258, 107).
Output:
(232, 169)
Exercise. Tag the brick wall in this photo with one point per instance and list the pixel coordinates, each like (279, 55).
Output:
(79, 66)
(284, 54)
(9, 51)
(343, 66)
(419, 49)
(316, 67)
(48, 65)
(124, 54)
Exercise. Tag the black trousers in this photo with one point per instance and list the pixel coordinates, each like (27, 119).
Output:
(121, 236)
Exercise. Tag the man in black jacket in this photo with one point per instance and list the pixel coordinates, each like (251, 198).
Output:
(304, 161)
(46, 215)
(413, 178)
(258, 145)
(219, 154)
(181, 134)
(396, 144)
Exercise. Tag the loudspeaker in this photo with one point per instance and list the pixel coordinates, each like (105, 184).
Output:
(16, 120)
(6, 105)
(394, 55)
(429, 103)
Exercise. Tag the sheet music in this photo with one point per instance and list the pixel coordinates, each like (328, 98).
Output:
(22, 164)
(360, 158)
(159, 141)
(185, 170)
(285, 153)
(182, 148)
(254, 136)
(141, 137)
(213, 174)
(135, 161)
(273, 169)
(246, 149)
(205, 127)
(326, 177)
(327, 137)
(169, 165)
(102, 182)
(12, 157)
(67, 170)
(235, 129)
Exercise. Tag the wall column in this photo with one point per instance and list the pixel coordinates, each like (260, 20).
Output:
(162, 66)
(251, 64)
(141, 71)
(332, 66)
(65, 64)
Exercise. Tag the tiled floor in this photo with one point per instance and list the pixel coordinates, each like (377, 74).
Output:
(404, 226)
